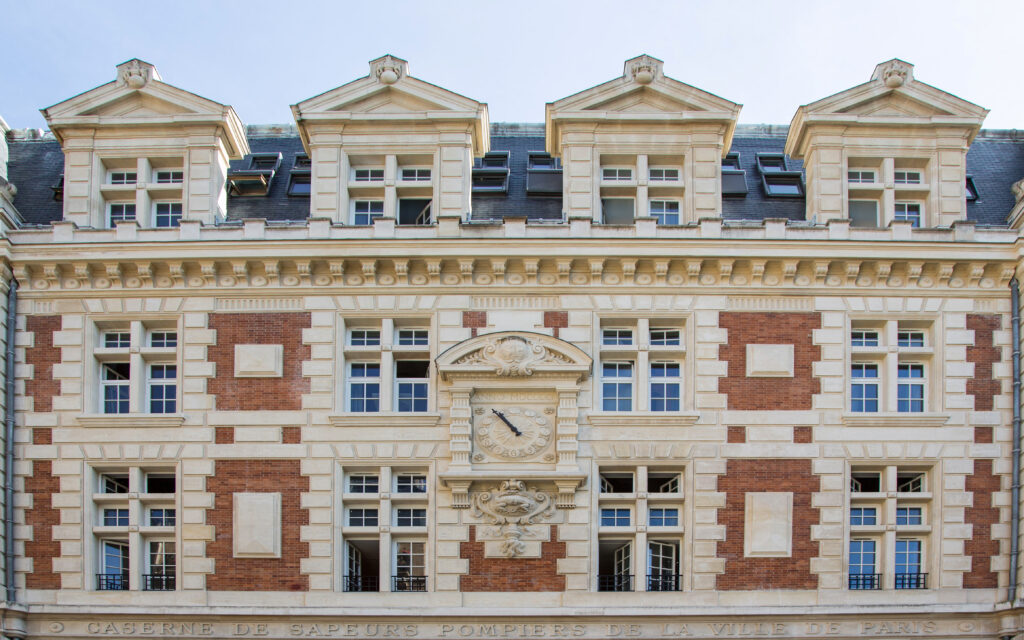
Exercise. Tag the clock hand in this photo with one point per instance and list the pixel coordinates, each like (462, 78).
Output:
(505, 420)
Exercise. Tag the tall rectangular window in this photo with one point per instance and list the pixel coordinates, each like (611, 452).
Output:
(862, 564)
(412, 385)
(910, 388)
(163, 388)
(665, 385)
(116, 385)
(120, 213)
(167, 214)
(410, 566)
(617, 386)
(364, 212)
(908, 564)
(864, 387)
(364, 387)
(114, 572)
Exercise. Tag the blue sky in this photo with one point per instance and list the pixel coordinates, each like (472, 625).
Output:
(260, 57)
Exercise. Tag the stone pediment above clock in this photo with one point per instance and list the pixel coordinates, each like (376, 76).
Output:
(510, 355)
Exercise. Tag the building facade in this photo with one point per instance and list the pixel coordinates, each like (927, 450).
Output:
(395, 371)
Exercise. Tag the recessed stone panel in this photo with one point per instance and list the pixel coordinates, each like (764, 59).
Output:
(768, 532)
(259, 360)
(256, 525)
(769, 361)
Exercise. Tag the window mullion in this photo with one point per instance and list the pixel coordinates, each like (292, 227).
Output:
(642, 387)
(387, 381)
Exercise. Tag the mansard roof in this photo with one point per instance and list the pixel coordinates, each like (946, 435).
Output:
(138, 97)
(892, 97)
(642, 94)
(389, 95)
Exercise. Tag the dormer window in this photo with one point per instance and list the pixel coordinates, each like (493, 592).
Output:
(490, 173)
(784, 186)
(495, 160)
(123, 177)
(302, 161)
(971, 189)
(168, 177)
(771, 162)
(255, 181)
(731, 162)
(264, 162)
(368, 175)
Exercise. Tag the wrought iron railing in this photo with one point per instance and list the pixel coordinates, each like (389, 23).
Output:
(112, 581)
(361, 583)
(157, 582)
(409, 583)
(911, 581)
(664, 582)
(614, 582)
(859, 581)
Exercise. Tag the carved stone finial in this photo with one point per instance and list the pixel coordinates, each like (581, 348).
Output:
(1018, 190)
(643, 69)
(894, 73)
(8, 190)
(136, 74)
(388, 69)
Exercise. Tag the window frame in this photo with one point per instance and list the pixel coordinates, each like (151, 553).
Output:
(621, 383)
(366, 381)
(665, 217)
(370, 213)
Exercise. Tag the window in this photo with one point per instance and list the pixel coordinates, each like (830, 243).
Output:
(410, 567)
(910, 389)
(299, 185)
(364, 212)
(865, 482)
(363, 484)
(907, 177)
(909, 482)
(412, 385)
(364, 337)
(541, 161)
(863, 516)
(860, 176)
(490, 173)
(163, 388)
(115, 517)
(617, 210)
(302, 161)
(734, 178)
(161, 517)
(663, 517)
(665, 337)
(167, 214)
(616, 482)
(362, 517)
(490, 182)
(116, 340)
(364, 387)
(495, 160)
(783, 186)
(665, 384)
(908, 564)
(617, 386)
(864, 388)
(411, 483)
(662, 482)
(909, 211)
(614, 517)
(265, 161)
(862, 563)
(413, 337)
(971, 189)
(416, 175)
(410, 517)
(908, 515)
(771, 162)
(120, 213)
(910, 338)
(115, 385)
(151, 494)
(663, 566)
(160, 339)
(368, 175)
(169, 177)
(616, 337)
(864, 338)
(662, 174)
(863, 213)
(123, 177)
(731, 162)
(666, 211)
(617, 174)
(414, 211)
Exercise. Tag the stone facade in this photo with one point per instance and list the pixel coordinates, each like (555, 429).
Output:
(386, 418)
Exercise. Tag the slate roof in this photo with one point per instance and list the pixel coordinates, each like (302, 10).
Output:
(995, 161)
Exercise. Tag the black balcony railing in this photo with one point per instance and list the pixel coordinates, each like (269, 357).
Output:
(409, 583)
(664, 582)
(911, 581)
(614, 582)
(157, 582)
(860, 581)
(112, 581)
(361, 583)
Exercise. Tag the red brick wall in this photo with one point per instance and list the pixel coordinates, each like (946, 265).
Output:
(556, 320)
(43, 355)
(983, 435)
(747, 574)
(257, 574)
(474, 320)
(803, 435)
(983, 354)
(252, 394)
(766, 394)
(291, 435)
(736, 435)
(224, 435)
(42, 435)
(981, 548)
(512, 574)
(42, 517)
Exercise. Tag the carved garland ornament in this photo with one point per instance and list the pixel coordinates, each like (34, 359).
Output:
(513, 356)
(511, 509)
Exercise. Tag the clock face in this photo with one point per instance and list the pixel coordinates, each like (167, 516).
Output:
(513, 432)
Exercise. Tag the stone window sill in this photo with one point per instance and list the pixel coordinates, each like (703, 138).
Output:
(131, 420)
(894, 419)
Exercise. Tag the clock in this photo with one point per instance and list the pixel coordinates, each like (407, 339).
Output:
(513, 432)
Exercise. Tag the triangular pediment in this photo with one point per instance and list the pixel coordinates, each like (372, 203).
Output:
(390, 100)
(895, 104)
(646, 100)
(137, 104)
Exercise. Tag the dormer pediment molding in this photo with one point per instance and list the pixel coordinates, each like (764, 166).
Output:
(892, 98)
(138, 98)
(642, 94)
(388, 95)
